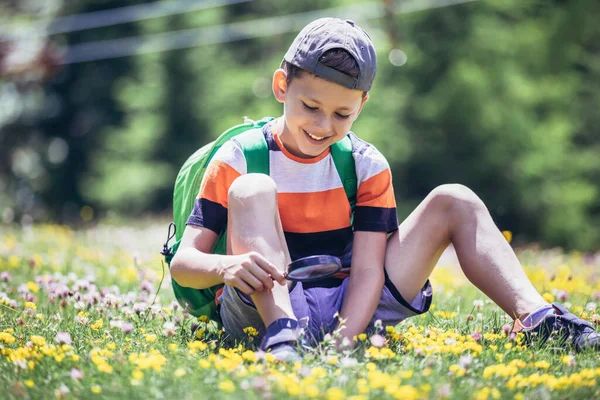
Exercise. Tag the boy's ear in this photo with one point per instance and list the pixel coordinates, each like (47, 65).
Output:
(362, 104)
(280, 85)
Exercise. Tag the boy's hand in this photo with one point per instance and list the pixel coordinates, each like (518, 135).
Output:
(250, 272)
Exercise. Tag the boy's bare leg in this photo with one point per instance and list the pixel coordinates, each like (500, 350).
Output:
(254, 225)
(454, 214)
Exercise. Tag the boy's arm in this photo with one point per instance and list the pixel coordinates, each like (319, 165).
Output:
(366, 282)
(193, 265)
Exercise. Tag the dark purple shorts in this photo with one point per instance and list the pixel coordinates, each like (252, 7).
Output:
(319, 305)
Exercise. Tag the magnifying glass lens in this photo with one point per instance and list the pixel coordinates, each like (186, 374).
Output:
(313, 268)
(313, 271)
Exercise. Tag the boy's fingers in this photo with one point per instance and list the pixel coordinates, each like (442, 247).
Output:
(262, 275)
(272, 270)
(252, 281)
(243, 286)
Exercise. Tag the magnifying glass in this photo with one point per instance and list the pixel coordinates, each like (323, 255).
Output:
(312, 268)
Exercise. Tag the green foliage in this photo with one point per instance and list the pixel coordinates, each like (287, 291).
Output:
(501, 96)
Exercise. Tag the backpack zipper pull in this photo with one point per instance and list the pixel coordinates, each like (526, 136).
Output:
(167, 251)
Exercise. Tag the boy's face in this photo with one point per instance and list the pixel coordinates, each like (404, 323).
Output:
(317, 112)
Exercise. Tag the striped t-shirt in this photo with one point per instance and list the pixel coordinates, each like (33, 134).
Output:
(315, 212)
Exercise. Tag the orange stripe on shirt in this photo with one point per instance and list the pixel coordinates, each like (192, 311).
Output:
(377, 191)
(216, 182)
(314, 212)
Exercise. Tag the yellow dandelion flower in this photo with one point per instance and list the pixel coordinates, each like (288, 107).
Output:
(30, 305)
(542, 364)
(29, 383)
(96, 389)
(179, 372)
(137, 375)
(33, 287)
(362, 386)
(335, 393)
(97, 325)
(250, 331)
(362, 337)
(7, 338)
(311, 391)
(227, 386)
(507, 235)
(332, 360)
(38, 340)
(173, 347)
(105, 368)
(566, 359)
(150, 337)
(197, 345)
(204, 364)
(249, 355)
(406, 392)
(548, 297)
(406, 374)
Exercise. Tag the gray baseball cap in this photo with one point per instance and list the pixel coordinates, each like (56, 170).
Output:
(334, 33)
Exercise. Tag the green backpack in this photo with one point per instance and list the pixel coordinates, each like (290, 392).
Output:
(201, 302)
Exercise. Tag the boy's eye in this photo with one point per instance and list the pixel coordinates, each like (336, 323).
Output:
(309, 107)
(316, 108)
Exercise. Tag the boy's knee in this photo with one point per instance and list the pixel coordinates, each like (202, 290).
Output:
(456, 197)
(252, 190)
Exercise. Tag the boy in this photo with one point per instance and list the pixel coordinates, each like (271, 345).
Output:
(301, 209)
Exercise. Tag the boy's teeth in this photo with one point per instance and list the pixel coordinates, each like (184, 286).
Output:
(315, 137)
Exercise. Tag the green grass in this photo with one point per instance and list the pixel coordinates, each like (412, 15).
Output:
(96, 290)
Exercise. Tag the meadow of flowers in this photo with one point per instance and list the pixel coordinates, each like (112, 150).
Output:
(80, 318)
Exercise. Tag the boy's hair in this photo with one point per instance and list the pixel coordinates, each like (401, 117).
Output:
(338, 59)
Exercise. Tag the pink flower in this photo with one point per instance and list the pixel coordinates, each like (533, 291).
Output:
(146, 286)
(5, 276)
(476, 336)
(126, 327)
(76, 374)
(562, 295)
(63, 338)
(169, 329)
(506, 328)
(377, 341)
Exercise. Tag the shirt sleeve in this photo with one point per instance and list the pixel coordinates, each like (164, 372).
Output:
(375, 209)
(210, 208)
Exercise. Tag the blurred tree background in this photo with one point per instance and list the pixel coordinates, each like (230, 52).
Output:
(502, 96)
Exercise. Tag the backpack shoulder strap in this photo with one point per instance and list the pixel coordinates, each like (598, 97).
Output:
(256, 151)
(341, 152)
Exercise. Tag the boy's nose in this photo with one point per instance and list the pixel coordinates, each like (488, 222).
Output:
(324, 125)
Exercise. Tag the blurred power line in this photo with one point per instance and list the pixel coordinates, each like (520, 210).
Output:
(106, 49)
(115, 16)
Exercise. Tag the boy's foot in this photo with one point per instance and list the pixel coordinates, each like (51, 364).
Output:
(281, 339)
(569, 329)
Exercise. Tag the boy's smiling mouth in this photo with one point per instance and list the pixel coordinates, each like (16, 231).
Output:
(315, 137)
